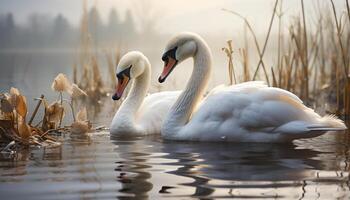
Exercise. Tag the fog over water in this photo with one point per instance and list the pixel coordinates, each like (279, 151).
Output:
(40, 38)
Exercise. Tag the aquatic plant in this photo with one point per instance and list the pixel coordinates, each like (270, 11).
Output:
(16, 131)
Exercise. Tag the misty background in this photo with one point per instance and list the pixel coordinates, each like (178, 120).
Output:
(39, 38)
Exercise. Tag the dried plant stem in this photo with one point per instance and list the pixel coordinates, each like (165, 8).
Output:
(338, 89)
(37, 125)
(305, 55)
(346, 72)
(36, 109)
(266, 40)
(279, 49)
(231, 72)
(61, 114)
(348, 9)
(347, 100)
(255, 41)
(72, 107)
(274, 83)
(315, 60)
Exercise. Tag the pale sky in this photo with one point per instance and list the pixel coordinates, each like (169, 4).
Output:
(171, 15)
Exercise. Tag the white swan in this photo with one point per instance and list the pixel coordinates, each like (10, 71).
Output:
(139, 115)
(247, 112)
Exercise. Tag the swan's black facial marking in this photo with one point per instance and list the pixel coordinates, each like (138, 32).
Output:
(170, 53)
(170, 62)
(124, 72)
(123, 80)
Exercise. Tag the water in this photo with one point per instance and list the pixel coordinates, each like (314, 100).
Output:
(94, 166)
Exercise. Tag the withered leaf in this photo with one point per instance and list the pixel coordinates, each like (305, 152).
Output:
(55, 111)
(80, 127)
(13, 97)
(24, 130)
(6, 106)
(21, 107)
(77, 92)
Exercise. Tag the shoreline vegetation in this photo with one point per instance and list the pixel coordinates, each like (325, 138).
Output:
(17, 132)
(312, 62)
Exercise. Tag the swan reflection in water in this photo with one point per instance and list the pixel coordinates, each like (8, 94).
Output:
(206, 168)
(132, 169)
(206, 163)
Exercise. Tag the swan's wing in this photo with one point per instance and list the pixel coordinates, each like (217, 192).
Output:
(239, 112)
(154, 109)
(241, 86)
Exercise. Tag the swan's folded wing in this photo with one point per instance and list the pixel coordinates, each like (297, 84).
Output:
(154, 109)
(248, 108)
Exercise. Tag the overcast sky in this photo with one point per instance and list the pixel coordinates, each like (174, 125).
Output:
(170, 15)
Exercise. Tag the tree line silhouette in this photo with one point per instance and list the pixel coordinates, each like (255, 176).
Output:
(41, 31)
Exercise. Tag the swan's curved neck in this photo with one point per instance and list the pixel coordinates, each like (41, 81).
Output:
(181, 112)
(126, 114)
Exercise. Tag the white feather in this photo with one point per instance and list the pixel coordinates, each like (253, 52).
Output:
(139, 115)
(246, 112)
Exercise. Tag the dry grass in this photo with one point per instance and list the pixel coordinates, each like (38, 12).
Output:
(312, 59)
(87, 73)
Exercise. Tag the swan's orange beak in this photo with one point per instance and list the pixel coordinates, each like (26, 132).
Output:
(170, 62)
(122, 83)
(169, 65)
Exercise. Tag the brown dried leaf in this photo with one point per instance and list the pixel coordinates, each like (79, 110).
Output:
(13, 97)
(21, 107)
(6, 106)
(76, 91)
(80, 127)
(24, 131)
(6, 123)
(54, 112)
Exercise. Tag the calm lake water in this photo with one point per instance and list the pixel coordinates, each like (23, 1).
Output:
(94, 166)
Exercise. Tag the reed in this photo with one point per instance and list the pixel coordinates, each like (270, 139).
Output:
(231, 72)
(87, 72)
(312, 59)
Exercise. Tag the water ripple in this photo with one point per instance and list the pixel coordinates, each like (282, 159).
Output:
(96, 167)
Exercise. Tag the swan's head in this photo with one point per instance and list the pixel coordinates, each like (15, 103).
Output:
(177, 50)
(130, 66)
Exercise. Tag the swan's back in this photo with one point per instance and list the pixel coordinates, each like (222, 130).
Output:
(154, 109)
(254, 112)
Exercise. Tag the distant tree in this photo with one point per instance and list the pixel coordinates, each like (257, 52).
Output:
(128, 27)
(95, 24)
(38, 30)
(61, 30)
(10, 23)
(114, 26)
(7, 30)
(147, 16)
